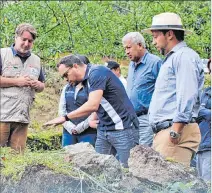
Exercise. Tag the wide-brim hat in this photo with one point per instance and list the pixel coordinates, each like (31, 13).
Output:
(166, 21)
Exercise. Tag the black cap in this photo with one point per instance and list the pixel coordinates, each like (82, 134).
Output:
(112, 65)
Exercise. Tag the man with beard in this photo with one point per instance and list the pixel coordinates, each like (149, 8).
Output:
(175, 101)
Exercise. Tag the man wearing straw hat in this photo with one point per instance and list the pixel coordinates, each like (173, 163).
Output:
(175, 101)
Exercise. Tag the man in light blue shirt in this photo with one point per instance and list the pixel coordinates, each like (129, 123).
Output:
(142, 73)
(175, 101)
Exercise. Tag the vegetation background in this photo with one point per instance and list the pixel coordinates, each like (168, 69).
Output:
(93, 28)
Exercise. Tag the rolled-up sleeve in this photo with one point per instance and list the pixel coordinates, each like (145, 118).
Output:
(187, 74)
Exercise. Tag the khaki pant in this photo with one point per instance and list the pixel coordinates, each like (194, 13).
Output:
(13, 135)
(183, 151)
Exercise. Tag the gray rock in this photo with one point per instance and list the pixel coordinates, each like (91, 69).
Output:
(96, 173)
(145, 163)
(40, 179)
(84, 157)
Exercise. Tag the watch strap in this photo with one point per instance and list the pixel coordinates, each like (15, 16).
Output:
(66, 118)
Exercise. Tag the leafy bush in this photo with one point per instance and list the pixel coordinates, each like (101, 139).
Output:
(95, 28)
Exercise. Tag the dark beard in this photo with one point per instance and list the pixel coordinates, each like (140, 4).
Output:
(162, 51)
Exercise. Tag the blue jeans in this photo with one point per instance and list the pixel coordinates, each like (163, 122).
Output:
(204, 165)
(68, 139)
(117, 141)
(145, 131)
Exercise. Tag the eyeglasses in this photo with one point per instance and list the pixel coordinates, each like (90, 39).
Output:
(65, 75)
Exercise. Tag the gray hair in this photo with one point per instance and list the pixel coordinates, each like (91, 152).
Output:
(21, 28)
(68, 61)
(135, 37)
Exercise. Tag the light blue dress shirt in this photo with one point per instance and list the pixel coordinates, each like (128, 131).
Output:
(141, 81)
(178, 86)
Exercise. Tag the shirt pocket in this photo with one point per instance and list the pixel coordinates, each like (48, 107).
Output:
(11, 70)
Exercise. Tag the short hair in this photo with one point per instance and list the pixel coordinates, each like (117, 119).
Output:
(68, 61)
(83, 58)
(179, 34)
(135, 37)
(21, 28)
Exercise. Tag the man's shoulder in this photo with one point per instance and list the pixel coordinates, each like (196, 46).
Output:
(4, 50)
(98, 69)
(35, 56)
(185, 50)
(153, 58)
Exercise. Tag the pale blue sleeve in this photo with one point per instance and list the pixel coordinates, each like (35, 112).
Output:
(187, 86)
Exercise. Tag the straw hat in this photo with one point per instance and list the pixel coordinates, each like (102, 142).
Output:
(166, 21)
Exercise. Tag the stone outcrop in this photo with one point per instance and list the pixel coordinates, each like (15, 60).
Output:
(84, 157)
(96, 173)
(145, 163)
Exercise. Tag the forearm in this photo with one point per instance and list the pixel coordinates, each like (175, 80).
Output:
(86, 109)
(68, 125)
(82, 126)
(187, 88)
(7, 82)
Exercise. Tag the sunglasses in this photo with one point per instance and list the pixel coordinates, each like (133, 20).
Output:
(65, 75)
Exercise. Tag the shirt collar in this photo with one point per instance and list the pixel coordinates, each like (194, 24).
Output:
(178, 46)
(175, 49)
(143, 58)
(87, 72)
(15, 53)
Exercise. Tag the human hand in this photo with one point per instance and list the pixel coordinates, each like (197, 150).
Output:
(174, 140)
(55, 122)
(23, 81)
(176, 132)
(93, 123)
(35, 84)
(74, 131)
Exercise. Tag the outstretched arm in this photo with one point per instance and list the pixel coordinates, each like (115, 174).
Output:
(90, 106)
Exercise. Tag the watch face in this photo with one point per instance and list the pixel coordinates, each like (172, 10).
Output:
(172, 134)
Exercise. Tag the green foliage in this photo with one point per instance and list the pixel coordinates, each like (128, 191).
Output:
(207, 80)
(124, 71)
(44, 140)
(95, 28)
(15, 165)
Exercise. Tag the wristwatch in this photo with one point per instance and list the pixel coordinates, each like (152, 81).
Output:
(174, 134)
(66, 118)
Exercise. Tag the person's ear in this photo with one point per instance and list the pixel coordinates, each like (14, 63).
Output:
(75, 65)
(140, 45)
(170, 34)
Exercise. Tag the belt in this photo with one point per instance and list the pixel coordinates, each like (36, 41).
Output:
(139, 113)
(166, 124)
